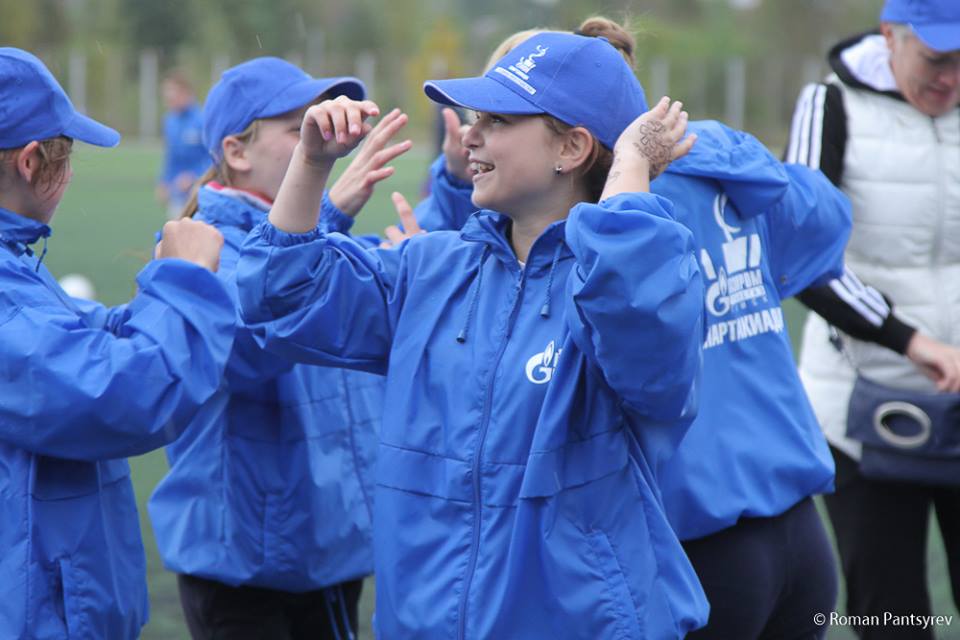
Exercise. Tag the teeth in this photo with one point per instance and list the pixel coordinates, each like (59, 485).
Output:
(480, 167)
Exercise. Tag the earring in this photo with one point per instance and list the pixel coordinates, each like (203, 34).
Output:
(557, 170)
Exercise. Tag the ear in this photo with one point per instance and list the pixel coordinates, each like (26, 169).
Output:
(575, 148)
(27, 161)
(235, 154)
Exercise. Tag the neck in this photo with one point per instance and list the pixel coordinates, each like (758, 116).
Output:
(18, 203)
(526, 228)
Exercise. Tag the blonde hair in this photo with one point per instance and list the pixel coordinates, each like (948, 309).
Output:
(54, 154)
(510, 43)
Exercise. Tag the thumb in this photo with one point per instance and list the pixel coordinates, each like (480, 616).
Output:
(451, 122)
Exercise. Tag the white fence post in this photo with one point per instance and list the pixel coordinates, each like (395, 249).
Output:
(149, 74)
(78, 80)
(736, 98)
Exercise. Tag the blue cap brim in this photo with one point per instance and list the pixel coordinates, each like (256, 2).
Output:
(90, 131)
(480, 94)
(942, 37)
(303, 93)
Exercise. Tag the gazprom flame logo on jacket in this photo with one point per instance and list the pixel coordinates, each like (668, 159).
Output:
(540, 366)
(736, 284)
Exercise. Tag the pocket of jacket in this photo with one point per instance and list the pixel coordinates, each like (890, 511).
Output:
(70, 595)
(622, 605)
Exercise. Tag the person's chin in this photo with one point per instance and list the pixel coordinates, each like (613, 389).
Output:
(938, 103)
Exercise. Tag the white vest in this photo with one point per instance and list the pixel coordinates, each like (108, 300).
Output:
(901, 171)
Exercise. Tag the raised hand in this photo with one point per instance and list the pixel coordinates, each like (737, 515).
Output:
(396, 235)
(354, 187)
(647, 146)
(454, 152)
(190, 240)
(938, 361)
(331, 129)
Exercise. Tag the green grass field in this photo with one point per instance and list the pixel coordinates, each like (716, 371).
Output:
(104, 229)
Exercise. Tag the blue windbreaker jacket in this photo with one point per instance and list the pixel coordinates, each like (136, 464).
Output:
(275, 488)
(766, 231)
(81, 387)
(529, 409)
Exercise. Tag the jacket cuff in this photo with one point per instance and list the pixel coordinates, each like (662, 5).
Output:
(277, 238)
(331, 217)
(895, 334)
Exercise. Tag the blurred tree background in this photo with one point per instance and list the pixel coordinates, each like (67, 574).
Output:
(739, 60)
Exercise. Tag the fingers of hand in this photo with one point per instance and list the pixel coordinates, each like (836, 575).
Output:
(386, 155)
(401, 205)
(683, 147)
(376, 175)
(405, 212)
(394, 235)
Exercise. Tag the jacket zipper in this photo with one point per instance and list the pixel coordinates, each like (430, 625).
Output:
(944, 331)
(475, 467)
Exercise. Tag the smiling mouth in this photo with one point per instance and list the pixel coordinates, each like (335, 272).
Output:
(478, 168)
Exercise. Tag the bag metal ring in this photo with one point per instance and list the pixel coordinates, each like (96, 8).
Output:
(907, 410)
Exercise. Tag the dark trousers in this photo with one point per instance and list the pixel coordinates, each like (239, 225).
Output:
(216, 611)
(882, 531)
(767, 577)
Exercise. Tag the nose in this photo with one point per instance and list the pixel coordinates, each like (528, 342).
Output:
(471, 137)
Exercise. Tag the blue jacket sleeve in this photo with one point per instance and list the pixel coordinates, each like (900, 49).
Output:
(449, 205)
(83, 393)
(249, 364)
(321, 298)
(333, 220)
(635, 303)
(808, 229)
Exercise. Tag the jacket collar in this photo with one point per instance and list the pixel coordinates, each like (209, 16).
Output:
(18, 231)
(870, 62)
(232, 207)
(491, 229)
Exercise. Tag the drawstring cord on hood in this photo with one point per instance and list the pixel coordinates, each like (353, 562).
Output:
(475, 299)
(545, 309)
(43, 254)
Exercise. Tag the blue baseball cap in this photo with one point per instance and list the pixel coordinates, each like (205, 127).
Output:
(579, 80)
(936, 22)
(33, 106)
(263, 88)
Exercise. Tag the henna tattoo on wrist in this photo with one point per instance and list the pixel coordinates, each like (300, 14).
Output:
(654, 146)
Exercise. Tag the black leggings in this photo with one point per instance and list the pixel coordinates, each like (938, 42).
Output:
(767, 577)
(216, 611)
(882, 531)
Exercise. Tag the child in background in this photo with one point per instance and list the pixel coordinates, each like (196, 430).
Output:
(265, 513)
(184, 157)
(82, 388)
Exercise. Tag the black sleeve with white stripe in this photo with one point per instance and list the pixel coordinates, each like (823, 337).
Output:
(818, 131)
(858, 310)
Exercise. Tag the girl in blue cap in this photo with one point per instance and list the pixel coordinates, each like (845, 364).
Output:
(266, 511)
(82, 386)
(535, 383)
